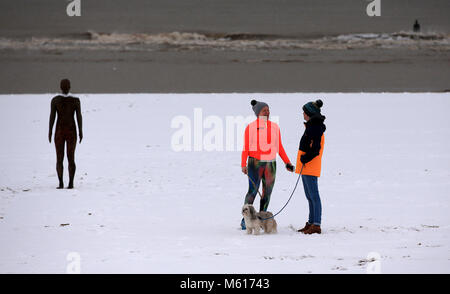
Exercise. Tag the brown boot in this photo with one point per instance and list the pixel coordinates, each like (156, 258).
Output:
(313, 229)
(306, 227)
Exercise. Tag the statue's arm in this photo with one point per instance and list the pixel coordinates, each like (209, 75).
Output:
(52, 119)
(79, 118)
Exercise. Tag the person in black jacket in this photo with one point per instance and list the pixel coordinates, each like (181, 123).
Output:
(309, 162)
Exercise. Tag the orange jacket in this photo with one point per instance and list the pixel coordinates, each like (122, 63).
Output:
(262, 140)
(313, 167)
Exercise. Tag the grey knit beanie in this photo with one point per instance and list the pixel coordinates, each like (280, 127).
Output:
(257, 106)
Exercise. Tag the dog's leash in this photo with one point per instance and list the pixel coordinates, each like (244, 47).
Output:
(254, 185)
(295, 187)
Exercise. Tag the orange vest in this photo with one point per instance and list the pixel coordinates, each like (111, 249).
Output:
(312, 168)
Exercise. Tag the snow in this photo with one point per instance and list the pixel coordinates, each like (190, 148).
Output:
(140, 207)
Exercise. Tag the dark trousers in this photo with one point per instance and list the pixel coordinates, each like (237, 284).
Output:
(260, 171)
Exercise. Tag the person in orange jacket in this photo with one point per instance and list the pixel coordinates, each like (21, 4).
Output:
(262, 143)
(309, 163)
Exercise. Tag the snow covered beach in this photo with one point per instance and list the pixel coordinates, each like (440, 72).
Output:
(139, 206)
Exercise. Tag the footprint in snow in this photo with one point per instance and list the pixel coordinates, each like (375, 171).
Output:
(430, 226)
(338, 268)
(363, 262)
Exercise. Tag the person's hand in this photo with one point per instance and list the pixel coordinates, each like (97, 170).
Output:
(244, 169)
(81, 137)
(302, 159)
(289, 167)
(50, 137)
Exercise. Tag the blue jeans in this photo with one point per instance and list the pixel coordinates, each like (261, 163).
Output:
(312, 194)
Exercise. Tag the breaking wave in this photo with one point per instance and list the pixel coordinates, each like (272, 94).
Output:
(222, 41)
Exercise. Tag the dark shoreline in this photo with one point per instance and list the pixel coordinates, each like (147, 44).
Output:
(205, 71)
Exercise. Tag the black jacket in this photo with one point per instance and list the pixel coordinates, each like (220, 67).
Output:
(313, 134)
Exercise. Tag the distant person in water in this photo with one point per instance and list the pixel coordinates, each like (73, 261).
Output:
(416, 27)
(65, 106)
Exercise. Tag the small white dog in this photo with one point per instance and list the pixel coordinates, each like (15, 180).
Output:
(254, 221)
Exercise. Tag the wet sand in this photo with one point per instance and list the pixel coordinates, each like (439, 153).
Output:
(186, 72)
